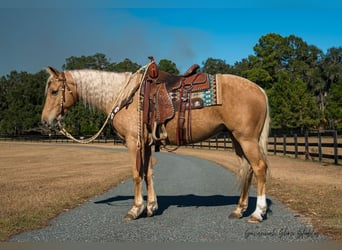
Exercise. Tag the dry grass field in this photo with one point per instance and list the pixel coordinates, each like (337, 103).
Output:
(38, 181)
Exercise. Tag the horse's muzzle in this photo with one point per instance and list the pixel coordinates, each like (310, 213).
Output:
(52, 123)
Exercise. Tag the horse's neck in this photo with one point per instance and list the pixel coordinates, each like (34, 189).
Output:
(99, 88)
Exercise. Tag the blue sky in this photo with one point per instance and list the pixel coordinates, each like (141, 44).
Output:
(37, 33)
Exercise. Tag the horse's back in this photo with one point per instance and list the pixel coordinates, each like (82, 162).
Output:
(238, 84)
(239, 90)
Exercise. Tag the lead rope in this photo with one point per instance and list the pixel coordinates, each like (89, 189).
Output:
(115, 109)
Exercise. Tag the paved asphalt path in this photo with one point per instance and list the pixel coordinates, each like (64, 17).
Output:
(195, 197)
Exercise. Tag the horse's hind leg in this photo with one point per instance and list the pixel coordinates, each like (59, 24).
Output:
(257, 160)
(245, 175)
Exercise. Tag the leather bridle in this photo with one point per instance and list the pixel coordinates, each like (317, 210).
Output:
(64, 86)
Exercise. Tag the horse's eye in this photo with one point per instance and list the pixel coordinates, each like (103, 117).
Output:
(54, 92)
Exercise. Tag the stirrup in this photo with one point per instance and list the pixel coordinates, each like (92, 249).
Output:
(163, 132)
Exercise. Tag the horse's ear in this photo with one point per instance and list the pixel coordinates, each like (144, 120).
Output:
(52, 71)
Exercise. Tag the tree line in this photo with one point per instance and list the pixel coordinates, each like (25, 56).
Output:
(303, 84)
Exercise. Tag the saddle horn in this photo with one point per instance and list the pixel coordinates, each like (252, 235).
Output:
(153, 70)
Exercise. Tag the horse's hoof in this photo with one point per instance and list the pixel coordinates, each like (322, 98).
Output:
(129, 217)
(151, 209)
(254, 219)
(235, 215)
(150, 212)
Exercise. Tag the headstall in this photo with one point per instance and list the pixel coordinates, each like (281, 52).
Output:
(63, 87)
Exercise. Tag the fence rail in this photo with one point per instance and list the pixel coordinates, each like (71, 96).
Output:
(312, 145)
(57, 139)
(323, 146)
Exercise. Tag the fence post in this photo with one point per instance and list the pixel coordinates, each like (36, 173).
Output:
(284, 144)
(306, 145)
(296, 145)
(319, 146)
(335, 148)
(275, 144)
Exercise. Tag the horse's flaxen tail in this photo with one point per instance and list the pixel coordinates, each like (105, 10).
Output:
(263, 140)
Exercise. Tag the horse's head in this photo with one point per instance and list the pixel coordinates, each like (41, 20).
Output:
(60, 96)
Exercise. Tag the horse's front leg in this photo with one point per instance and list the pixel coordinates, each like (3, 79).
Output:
(138, 204)
(152, 204)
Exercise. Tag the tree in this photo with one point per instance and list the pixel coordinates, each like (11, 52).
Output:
(334, 107)
(23, 99)
(332, 65)
(268, 53)
(275, 53)
(291, 105)
(125, 66)
(259, 76)
(168, 66)
(331, 71)
(332, 75)
(215, 66)
(97, 61)
(4, 88)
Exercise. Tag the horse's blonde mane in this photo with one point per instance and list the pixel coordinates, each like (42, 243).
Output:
(99, 88)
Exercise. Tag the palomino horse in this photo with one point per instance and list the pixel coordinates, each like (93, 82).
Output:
(244, 112)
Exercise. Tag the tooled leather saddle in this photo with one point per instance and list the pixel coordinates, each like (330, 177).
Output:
(165, 94)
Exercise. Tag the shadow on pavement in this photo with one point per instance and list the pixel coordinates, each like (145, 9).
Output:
(189, 200)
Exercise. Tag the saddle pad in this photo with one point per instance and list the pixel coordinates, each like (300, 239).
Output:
(210, 96)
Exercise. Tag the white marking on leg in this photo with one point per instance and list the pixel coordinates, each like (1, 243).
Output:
(261, 207)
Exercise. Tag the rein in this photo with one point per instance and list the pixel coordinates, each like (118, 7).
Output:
(117, 106)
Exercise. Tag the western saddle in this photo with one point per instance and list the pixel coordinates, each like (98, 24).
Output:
(165, 94)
